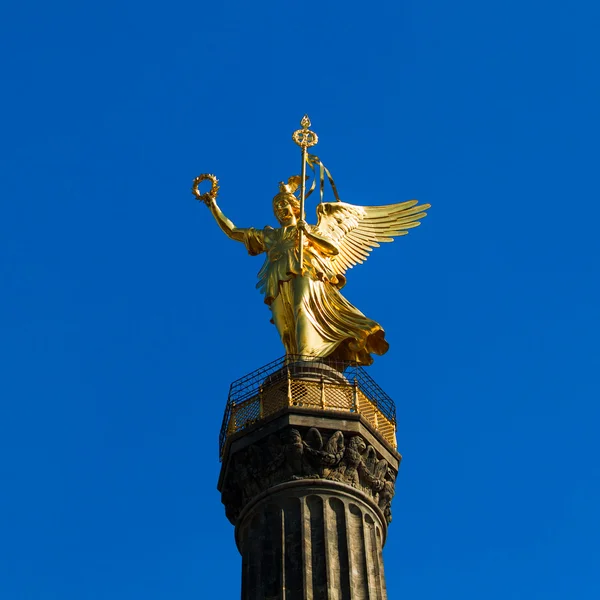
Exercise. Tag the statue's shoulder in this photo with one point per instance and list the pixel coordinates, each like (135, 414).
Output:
(267, 230)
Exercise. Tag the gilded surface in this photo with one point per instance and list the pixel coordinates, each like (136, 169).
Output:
(311, 394)
(305, 265)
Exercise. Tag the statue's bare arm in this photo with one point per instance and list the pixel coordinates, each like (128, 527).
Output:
(230, 230)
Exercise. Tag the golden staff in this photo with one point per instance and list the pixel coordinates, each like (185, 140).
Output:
(305, 138)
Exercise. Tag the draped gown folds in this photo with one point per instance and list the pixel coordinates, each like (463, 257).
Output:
(311, 315)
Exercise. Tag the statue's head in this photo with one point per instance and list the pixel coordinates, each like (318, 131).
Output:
(286, 205)
(358, 444)
(293, 437)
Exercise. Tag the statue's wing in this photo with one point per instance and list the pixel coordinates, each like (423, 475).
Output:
(295, 181)
(370, 459)
(313, 439)
(335, 443)
(356, 230)
(381, 469)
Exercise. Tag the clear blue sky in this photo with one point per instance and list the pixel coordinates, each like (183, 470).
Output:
(125, 313)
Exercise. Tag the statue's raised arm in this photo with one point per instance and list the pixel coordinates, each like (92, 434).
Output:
(210, 199)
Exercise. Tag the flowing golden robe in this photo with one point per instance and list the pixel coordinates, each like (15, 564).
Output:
(310, 313)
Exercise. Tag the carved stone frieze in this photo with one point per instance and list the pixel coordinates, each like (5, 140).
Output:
(292, 455)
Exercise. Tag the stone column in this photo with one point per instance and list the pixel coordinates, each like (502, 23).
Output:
(312, 541)
(309, 493)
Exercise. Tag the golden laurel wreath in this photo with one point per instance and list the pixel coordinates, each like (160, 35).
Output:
(209, 196)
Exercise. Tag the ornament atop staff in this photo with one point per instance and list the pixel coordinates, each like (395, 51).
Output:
(305, 138)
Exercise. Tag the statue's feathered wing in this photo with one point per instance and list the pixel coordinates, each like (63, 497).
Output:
(356, 230)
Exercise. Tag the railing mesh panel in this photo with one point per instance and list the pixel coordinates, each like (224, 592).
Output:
(303, 382)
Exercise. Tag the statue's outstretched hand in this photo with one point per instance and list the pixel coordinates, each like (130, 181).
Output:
(209, 197)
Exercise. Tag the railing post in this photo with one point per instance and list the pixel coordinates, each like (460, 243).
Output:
(232, 426)
(355, 396)
(260, 402)
(322, 392)
(289, 387)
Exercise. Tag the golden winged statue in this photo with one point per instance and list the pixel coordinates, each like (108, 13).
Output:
(305, 267)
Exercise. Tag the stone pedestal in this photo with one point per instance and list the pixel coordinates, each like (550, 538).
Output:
(309, 493)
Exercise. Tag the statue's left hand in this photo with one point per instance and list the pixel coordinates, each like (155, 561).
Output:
(301, 225)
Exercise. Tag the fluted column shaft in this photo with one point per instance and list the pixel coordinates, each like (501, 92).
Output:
(312, 540)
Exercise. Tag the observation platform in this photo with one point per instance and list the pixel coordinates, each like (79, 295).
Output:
(299, 382)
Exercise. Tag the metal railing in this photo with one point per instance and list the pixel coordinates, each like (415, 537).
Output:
(300, 381)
